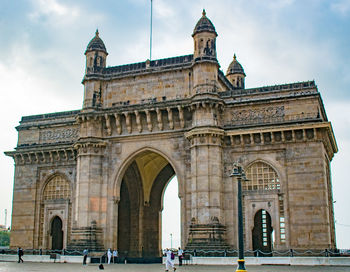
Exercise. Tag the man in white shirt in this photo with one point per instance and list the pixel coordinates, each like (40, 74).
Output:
(115, 255)
(169, 262)
(180, 253)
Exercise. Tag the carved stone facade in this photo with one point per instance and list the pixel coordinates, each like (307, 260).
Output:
(99, 173)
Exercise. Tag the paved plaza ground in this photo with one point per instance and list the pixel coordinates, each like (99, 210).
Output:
(48, 267)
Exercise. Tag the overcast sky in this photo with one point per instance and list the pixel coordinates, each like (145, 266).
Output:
(42, 44)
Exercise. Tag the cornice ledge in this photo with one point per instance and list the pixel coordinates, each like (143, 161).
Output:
(214, 131)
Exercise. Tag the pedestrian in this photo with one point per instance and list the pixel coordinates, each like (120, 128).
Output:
(20, 254)
(115, 255)
(169, 262)
(85, 253)
(180, 253)
(109, 255)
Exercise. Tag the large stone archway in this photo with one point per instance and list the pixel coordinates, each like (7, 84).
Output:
(140, 206)
(141, 123)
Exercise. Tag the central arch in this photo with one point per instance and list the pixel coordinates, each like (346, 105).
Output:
(141, 194)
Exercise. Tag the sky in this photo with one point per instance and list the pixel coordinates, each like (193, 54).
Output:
(42, 44)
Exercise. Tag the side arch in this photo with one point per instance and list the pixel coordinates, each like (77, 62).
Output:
(56, 233)
(55, 195)
(265, 190)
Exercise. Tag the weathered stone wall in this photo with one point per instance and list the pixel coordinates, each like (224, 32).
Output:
(156, 87)
(309, 223)
(23, 207)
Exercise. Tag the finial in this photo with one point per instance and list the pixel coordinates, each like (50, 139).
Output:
(204, 13)
(96, 33)
(234, 56)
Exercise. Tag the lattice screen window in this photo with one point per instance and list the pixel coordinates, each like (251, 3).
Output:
(264, 227)
(57, 188)
(282, 220)
(261, 177)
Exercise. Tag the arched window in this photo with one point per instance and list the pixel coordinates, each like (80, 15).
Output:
(261, 177)
(57, 188)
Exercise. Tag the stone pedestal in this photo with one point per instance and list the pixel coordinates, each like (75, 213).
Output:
(209, 236)
(86, 238)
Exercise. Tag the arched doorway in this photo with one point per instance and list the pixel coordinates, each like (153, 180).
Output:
(56, 234)
(55, 201)
(140, 205)
(262, 233)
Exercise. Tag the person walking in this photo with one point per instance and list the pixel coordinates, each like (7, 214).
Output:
(85, 253)
(180, 253)
(20, 254)
(169, 262)
(109, 256)
(115, 255)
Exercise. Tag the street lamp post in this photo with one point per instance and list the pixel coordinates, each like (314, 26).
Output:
(171, 240)
(238, 172)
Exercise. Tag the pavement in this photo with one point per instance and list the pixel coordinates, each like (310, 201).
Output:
(49, 267)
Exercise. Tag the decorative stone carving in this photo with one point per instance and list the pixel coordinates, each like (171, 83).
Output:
(58, 135)
(159, 119)
(170, 118)
(258, 115)
(138, 121)
(118, 123)
(149, 121)
(108, 125)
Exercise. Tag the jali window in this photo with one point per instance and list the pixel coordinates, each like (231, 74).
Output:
(261, 177)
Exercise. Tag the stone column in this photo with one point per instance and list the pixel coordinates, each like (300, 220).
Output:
(206, 229)
(90, 202)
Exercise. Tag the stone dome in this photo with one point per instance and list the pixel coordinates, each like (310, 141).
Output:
(235, 67)
(96, 44)
(204, 25)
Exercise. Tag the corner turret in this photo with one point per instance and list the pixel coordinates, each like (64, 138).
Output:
(96, 55)
(204, 36)
(235, 74)
(205, 69)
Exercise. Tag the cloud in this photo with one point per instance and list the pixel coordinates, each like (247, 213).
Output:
(54, 12)
(280, 4)
(341, 7)
(163, 10)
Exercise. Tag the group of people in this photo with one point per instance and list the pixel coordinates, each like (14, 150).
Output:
(111, 254)
(170, 257)
(169, 262)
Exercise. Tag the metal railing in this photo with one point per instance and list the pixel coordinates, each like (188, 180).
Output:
(204, 253)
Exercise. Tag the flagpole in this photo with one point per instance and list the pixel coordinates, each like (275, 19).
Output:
(150, 47)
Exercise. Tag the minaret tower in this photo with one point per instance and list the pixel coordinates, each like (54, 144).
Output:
(206, 137)
(88, 214)
(96, 55)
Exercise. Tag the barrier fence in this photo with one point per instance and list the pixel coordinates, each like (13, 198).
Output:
(201, 253)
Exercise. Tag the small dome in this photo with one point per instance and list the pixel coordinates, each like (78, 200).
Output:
(96, 44)
(204, 25)
(235, 67)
